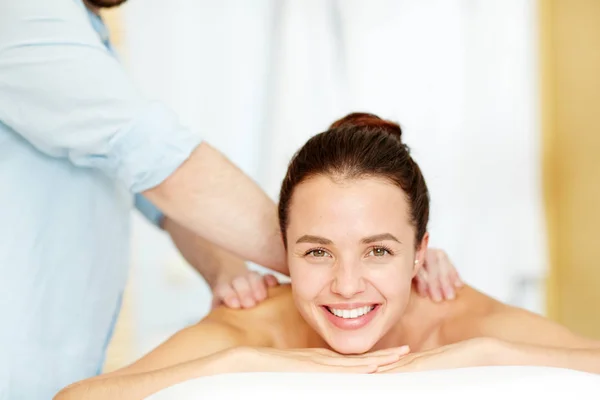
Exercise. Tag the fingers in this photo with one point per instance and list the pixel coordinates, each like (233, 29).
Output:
(421, 282)
(242, 288)
(225, 294)
(384, 359)
(447, 288)
(433, 288)
(379, 358)
(324, 360)
(258, 286)
(390, 368)
(244, 291)
(399, 366)
(449, 279)
(435, 269)
(324, 352)
(400, 351)
(455, 279)
(386, 368)
(271, 280)
(439, 277)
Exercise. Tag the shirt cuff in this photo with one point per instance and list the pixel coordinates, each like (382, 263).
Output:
(149, 210)
(151, 148)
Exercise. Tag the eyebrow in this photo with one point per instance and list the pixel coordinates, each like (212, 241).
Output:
(369, 239)
(313, 239)
(379, 238)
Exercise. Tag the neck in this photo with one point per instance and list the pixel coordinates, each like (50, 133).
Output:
(419, 326)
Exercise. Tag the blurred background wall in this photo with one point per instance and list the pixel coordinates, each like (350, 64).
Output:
(570, 48)
(496, 98)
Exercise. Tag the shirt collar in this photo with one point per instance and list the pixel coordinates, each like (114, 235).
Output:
(99, 27)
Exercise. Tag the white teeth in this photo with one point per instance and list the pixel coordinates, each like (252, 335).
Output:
(354, 313)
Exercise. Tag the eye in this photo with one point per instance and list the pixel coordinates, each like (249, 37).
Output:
(318, 253)
(379, 251)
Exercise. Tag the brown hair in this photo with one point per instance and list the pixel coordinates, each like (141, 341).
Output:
(359, 145)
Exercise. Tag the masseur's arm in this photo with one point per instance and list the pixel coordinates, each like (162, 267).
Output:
(69, 98)
(230, 280)
(213, 198)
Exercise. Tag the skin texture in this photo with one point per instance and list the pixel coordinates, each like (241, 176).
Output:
(289, 331)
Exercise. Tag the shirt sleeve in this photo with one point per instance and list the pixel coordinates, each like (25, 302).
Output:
(149, 210)
(63, 92)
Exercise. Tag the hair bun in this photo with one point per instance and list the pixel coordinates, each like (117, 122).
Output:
(366, 120)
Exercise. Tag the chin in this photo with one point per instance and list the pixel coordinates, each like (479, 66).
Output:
(351, 341)
(351, 345)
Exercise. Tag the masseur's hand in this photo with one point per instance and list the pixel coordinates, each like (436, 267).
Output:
(469, 353)
(231, 282)
(437, 278)
(254, 359)
(243, 289)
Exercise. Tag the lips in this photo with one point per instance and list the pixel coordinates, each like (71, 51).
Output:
(350, 316)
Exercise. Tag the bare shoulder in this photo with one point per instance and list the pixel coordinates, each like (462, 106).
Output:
(275, 322)
(221, 329)
(480, 315)
(523, 326)
(258, 318)
(463, 313)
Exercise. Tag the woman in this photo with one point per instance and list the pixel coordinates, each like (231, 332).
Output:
(353, 213)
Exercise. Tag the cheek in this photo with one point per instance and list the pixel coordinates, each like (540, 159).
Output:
(308, 280)
(393, 282)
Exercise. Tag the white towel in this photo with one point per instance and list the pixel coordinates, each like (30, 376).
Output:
(481, 383)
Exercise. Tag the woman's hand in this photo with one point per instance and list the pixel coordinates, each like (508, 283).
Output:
(437, 278)
(468, 353)
(253, 359)
(243, 290)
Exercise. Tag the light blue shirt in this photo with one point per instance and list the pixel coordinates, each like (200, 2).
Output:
(77, 142)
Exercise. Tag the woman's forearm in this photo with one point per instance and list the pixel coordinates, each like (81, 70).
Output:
(586, 360)
(213, 198)
(141, 385)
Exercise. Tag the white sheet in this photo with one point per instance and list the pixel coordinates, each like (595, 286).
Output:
(482, 383)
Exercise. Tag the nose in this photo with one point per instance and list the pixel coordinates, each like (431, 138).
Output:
(348, 280)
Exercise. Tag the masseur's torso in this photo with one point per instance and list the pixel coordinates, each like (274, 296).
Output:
(64, 241)
(64, 228)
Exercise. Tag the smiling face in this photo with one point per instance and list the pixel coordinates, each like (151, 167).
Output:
(351, 255)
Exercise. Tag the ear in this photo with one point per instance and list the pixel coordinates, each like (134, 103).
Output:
(420, 254)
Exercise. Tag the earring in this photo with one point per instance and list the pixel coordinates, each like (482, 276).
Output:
(416, 261)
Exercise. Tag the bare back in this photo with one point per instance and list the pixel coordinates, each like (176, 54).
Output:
(276, 323)
(474, 314)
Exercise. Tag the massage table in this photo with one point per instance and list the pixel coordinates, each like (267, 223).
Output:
(481, 383)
